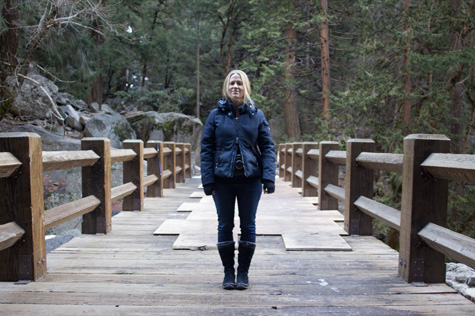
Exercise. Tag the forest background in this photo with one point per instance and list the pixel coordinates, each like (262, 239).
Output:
(331, 70)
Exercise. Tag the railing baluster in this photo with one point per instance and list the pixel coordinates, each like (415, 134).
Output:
(309, 169)
(424, 200)
(96, 180)
(328, 174)
(155, 166)
(359, 182)
(133, 173)
(22, 202)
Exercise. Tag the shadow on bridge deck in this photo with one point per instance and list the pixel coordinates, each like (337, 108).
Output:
(131, 271)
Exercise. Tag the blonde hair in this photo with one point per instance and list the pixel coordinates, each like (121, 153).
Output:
(245, 83)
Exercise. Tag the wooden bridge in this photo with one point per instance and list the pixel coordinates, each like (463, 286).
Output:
(135, 264)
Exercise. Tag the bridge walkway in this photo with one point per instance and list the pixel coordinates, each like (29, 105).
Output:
(139, 270)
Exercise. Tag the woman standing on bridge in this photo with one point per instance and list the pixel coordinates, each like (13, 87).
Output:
(233, 168)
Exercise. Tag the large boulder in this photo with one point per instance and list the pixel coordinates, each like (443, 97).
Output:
(111, 125)
(33, 99)
(175, 127)
(50, 140)
(71, 117)
(63, 98)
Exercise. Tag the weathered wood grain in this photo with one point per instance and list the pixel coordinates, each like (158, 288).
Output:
(328, 175)
(457, 246)
(451, 166)
(380, 161)
(8, 164)
(56, 160)
(122, 190)
(121, 155)
(22, 204)
(336, 156)
(63, 213)
(384, 213)
(10, 233)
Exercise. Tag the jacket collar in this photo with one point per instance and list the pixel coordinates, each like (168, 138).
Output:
(227, 105)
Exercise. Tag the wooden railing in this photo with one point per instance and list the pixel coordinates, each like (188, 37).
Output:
(426, 166)
(23, 221)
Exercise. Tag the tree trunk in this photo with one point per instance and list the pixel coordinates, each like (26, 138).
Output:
(325, 56)
(458, 35)
(8, 52)
(144, 73)
(9, 39)
(407, 78)
(231, 19)
(290, 104)
(198, 69)
(95, 94)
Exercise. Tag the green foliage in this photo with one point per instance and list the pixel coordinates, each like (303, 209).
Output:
(461, 216)
(148, 60)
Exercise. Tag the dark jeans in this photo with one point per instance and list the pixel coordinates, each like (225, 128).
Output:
(248, 195)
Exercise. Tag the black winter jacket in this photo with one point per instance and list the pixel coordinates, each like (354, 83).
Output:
(221, 138)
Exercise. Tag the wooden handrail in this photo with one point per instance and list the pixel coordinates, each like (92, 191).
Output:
(22, 163)
(122, 190)
(298, 174)
(63, 213)
(149, 180)
(8, 164)
(58, 160)
(383, 213)
(121, 155)
(149, 153)
(314, 154)
(167, 151)
(455, 245)
(335, 191)
(10, 233)
(313, 181)
(336, 156)
(378, 161)
(167, 174)
(451, 166)
(426, 166)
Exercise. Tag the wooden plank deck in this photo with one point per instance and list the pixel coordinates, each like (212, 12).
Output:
(131, 271)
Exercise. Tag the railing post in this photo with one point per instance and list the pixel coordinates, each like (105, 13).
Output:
(133, 172)
(188, 171)
(309, 168)
(296, 165)
(424, 200)
(327, 174)
(155, 166)
(170, 164)
(22, 202)
(288, 162)
(180, 162)
(358, 182)
(281, 161)
(96, 180)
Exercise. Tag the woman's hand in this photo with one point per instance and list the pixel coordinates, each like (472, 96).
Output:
(269, 186)
(209, 188)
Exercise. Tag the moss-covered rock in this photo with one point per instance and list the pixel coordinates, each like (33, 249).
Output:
(174, 127)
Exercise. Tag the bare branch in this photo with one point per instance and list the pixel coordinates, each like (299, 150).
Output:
(54, 110)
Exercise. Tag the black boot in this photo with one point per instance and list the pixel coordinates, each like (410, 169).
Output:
(246, 251)
(226, 252)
